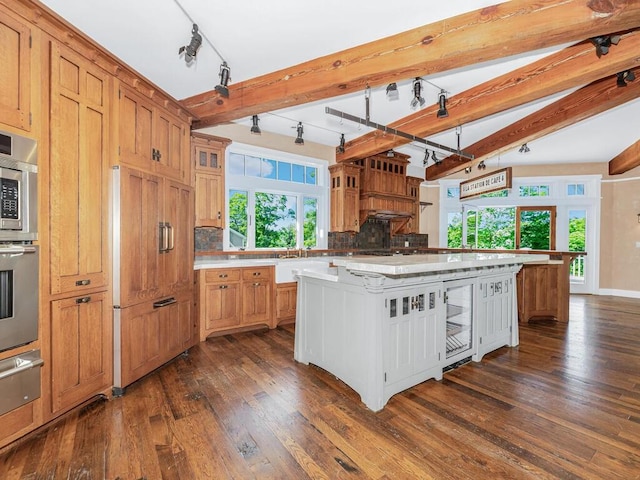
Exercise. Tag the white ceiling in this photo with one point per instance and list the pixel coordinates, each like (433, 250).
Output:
(259, 36)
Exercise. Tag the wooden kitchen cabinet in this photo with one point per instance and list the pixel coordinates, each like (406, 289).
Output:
(78, 165)
(209, 165)
(81, 349)
(15, 74)
(286, 297)
(153, 334)
(345, 197)
(220, 300)
(151, 138)
(146, 202)
(257, 289)
(232, 298)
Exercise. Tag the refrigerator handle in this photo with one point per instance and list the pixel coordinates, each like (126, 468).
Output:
(162, 235)
(170, 236)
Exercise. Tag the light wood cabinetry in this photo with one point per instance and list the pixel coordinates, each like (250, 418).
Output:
(15, 74)
(232, 298)
(79, 146)
(208, 165)
(151, 138)
(156, 273)
(153, 210)
(153, 334)
(345, 197)
(80, 307)
(286, 297)
(539, 292)
(81, 360)
(257, 289)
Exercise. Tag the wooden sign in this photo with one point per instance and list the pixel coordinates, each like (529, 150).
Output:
(491, 182)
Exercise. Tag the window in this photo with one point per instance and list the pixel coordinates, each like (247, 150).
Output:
(575, 189)
(534, 191)
(275, 200)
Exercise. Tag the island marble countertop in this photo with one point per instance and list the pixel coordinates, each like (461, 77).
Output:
(431, 263)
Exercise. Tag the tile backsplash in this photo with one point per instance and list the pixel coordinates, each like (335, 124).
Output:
(373, 235)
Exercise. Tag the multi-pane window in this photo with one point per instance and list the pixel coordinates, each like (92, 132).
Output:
(575, 189)
(534, 191)
(254, 166)
(274, 202)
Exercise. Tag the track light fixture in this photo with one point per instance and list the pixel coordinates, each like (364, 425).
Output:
(524, 148)
(392, 92)
(225, 75)
(341, 146)
(391, 153)
(624, 77)
(442, 105)
(435, 159)
(255, 129)
(191, 50)
(468, 170)
(417, 99)
(425, 160)
(603, 43)
(481, 165)
(299, 140)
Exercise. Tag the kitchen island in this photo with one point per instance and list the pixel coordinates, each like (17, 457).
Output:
(385, 324)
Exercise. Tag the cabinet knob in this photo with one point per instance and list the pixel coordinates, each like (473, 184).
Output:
(81, 283)
(219, 215)
(256, 274)
(222, 287)
(257, 284)
(223, 275)
(83, 300)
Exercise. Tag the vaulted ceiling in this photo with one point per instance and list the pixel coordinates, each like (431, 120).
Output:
(516, 72)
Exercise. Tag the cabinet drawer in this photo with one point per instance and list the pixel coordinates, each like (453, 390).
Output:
(222, 275)
(262, 273)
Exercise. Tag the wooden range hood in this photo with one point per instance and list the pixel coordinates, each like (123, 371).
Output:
(387, 193)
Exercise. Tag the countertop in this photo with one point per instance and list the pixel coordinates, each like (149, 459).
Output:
(430, 263)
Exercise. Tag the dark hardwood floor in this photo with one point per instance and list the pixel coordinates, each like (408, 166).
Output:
(565, 404)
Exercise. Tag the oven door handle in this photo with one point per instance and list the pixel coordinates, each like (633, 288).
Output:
(15, 250)
(25, 365)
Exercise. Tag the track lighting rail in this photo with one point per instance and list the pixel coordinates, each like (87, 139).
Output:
(396, 132)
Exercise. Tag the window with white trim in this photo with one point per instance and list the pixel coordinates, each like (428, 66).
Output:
(275, 200)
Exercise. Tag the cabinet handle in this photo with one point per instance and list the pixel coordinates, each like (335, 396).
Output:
(257, 284)
(81, 283)
(256, 274)
(223, 275)
(164, 303)
(83, 300)
(222, 287)
(219, 215)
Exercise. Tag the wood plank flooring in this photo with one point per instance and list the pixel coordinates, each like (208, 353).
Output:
(565, 404)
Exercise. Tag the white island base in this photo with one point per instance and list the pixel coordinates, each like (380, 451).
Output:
(385, 324)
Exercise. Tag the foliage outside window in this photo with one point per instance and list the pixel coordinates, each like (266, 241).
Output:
(534, 191)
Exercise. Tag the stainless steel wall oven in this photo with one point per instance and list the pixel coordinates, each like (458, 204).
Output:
(19, 267)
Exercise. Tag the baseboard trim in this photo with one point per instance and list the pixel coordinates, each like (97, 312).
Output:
(619, 293)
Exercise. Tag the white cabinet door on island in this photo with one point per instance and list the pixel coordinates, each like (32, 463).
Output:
(412, 336)
(385, 324)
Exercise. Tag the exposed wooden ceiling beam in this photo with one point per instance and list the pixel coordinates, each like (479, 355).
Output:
(570, 68)
(625, 161)
(595, 98)
(494, 32)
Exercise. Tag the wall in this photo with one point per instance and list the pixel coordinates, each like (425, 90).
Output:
(619, 228)
(241, 134)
